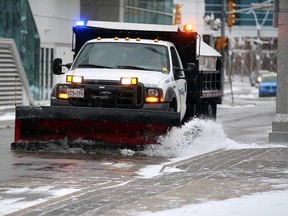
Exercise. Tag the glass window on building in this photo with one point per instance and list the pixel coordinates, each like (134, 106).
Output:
(150, 11)
(46, 74)
(17, 22)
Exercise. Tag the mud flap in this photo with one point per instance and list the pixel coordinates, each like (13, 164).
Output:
(96, 126)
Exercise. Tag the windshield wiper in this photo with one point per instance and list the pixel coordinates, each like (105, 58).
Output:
(92, 66)
(131, 67)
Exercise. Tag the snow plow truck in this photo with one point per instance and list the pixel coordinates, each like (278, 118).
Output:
(128, 84)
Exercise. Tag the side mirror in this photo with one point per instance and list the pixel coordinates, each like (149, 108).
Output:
(177, 73)
(57, 66)
(191, 71)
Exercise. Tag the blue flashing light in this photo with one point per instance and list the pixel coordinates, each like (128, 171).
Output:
(80, 23)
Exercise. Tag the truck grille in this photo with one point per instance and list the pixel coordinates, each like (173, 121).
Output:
(110, 94)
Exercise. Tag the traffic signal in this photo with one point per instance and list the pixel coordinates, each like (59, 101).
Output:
(221, 43)
(231, 15)
(178, 15)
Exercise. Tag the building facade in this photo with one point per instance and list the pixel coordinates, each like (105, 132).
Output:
(150, 11)
(54, 21)
(132, 11)
(17, 22)
(41, 30)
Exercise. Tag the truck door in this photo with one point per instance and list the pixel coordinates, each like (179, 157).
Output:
(180, 83)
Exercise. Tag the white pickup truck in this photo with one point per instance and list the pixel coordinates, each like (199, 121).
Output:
(125, 73)
(128, 84)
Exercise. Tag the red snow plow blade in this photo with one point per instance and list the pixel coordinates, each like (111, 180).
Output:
(36, 126)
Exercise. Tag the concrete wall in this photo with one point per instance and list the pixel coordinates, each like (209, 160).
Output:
(54, 20)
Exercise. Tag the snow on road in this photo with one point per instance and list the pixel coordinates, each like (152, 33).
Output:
(264, 204)
(45, 193)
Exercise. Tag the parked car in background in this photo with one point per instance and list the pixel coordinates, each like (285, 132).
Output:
(268, 84)
(255, 76)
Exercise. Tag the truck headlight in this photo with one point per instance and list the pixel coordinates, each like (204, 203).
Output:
(74, 79)
(154, 95)
(129, 81)
(62, 92)
(153, 92)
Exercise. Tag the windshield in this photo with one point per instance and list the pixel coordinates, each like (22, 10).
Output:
(124, 56)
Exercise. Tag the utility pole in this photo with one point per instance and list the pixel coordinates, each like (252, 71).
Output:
(230, 21)
(280, 125)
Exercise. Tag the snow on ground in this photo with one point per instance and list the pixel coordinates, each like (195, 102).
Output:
(264, 204)
(45, 193)
(7, 116)
(195, 138)
(189, 140)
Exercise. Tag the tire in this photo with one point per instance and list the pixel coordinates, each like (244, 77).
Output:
(173, 106)
(208, 110)
(212, 111)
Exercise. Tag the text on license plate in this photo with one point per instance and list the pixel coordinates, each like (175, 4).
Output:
(75, 93)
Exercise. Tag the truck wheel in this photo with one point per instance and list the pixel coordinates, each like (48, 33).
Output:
(211, 111)
(173, 106)
(208, 110)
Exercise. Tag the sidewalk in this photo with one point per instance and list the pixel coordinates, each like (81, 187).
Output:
(7, 118)
(215, 176)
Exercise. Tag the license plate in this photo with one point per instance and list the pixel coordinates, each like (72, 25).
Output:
(75, 93)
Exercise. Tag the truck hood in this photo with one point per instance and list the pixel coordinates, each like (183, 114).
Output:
(144, 76)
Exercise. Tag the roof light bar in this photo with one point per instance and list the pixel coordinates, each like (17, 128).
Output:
(80, 23)
(188, 28)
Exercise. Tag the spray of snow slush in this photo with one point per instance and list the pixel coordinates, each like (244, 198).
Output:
(196, 137)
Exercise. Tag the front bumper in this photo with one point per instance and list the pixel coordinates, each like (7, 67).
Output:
(267, 92)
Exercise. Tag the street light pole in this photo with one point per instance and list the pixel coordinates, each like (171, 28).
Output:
(226, 67)
(223, 21)
(280, 125)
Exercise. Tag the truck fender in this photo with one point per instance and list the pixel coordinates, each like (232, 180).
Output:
(170, 96)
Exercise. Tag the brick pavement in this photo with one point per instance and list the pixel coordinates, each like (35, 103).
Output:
(213, 176)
